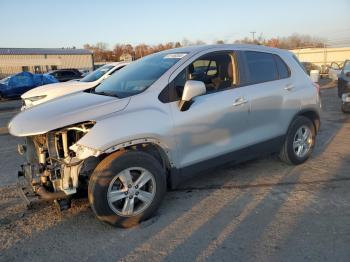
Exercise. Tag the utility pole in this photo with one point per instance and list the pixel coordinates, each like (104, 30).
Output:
(253, 34)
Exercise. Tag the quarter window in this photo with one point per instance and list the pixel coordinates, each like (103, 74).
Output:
(261, 67)
(283, 70)
(300, 64)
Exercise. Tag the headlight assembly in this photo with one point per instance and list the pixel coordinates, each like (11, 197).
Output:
(83, 152)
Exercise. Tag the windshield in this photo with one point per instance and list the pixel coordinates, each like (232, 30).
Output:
(97, 74)
(138, 76)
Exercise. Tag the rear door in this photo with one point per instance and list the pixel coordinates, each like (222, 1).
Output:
(268, 84)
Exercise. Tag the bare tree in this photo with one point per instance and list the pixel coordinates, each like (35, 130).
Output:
(200, 42)
(102, 53)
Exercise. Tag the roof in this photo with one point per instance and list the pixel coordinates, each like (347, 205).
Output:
(199, 48)
(44, 51)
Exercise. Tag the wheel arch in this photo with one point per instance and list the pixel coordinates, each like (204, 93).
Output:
(311, 114)
(151, 146)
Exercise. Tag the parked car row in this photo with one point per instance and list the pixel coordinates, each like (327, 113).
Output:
(30, 81)
(45, 93)
(159, 121)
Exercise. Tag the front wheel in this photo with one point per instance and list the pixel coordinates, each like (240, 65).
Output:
(126, 188)
(299, 142)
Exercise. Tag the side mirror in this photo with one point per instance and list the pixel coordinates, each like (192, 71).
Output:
(192, 89)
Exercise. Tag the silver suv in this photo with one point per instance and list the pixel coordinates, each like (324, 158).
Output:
(163, 119)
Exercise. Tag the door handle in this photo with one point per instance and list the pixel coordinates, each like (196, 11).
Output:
(289, 87)
(240, 101)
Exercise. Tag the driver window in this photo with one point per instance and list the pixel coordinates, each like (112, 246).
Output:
(217, 71)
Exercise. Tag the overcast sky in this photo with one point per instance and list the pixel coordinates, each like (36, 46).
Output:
(67, 23)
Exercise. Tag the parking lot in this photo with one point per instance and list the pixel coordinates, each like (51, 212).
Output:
(260, 210)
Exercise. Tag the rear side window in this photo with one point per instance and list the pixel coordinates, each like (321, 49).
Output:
(282, 68)
(261, 67)
(300, 64)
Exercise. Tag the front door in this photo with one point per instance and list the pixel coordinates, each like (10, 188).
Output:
(216, 123)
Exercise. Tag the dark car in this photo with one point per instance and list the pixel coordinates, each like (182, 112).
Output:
(64, 75)
(344, 86)
(344, 79)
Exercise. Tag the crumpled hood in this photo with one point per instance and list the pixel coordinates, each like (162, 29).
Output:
(64, 111)
(58, 89)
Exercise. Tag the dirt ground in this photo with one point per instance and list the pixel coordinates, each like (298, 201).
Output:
(261, 210)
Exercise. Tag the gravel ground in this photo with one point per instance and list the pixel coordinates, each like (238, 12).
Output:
(261, 210)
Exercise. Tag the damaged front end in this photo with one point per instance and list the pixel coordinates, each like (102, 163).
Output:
(55, 166)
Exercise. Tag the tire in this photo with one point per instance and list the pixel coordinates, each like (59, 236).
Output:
(116, 175)
(290, 152)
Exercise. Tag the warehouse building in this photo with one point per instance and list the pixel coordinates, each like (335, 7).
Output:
(323, 56)
(42, 60)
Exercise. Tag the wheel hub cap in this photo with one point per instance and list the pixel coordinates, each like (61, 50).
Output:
(131, 191)
(302, 141)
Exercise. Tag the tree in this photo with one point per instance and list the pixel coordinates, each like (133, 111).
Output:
(141, 50)
(117, 51)
(185, 42)
(200, 42)
(273, 42)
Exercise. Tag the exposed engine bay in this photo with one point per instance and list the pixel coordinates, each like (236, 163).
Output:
(52, 167)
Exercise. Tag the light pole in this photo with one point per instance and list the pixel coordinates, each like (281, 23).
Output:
(253, 34)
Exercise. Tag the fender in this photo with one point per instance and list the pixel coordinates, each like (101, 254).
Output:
(139, 141)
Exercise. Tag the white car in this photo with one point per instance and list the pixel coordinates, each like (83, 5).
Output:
(45, 93)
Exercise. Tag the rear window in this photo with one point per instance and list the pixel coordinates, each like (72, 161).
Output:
(261, 67)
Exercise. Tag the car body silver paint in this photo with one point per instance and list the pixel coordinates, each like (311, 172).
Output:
(211, 127)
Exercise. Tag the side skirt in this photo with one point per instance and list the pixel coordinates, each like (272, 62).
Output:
(271, 146)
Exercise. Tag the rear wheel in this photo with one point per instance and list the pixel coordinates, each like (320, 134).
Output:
(126, 188)
(299, 142)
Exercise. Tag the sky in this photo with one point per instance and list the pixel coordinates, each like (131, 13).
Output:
(68, 23)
